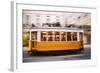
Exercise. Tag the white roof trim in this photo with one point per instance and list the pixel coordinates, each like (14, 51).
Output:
(52, 29)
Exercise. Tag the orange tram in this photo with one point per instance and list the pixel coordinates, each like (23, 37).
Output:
(55, 39)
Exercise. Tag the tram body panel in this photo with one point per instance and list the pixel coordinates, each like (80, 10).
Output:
(55, 46)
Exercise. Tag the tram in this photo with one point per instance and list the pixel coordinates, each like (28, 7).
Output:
(55, 39)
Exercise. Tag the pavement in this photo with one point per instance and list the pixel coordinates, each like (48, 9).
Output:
(85, 54)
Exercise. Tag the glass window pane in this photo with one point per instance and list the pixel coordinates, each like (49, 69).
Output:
(50, 38)
(63, 36)
(57, 36)
(34, 35)
(25, 38)
(68, 36)
(43, 36)
(81, 36)
(74, 36)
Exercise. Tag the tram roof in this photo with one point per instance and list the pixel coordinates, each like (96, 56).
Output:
(54, 29)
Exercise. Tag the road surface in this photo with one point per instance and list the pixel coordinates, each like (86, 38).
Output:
(86, 54)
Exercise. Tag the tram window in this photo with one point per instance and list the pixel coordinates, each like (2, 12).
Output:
(81, 36)
(57, 36)
(50, 38)
(74, 36)
(26, 35)
(34, 35)
(63, 36)
(68, 36)
(25, 38)
(43, 36)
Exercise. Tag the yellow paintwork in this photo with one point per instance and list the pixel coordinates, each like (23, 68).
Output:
(54, 46)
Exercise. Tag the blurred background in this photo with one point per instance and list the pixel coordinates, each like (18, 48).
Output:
(39, 19)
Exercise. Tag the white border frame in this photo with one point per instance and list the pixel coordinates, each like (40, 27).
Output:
(16, 51)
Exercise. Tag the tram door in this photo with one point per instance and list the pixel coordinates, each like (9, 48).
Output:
(33, 38)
